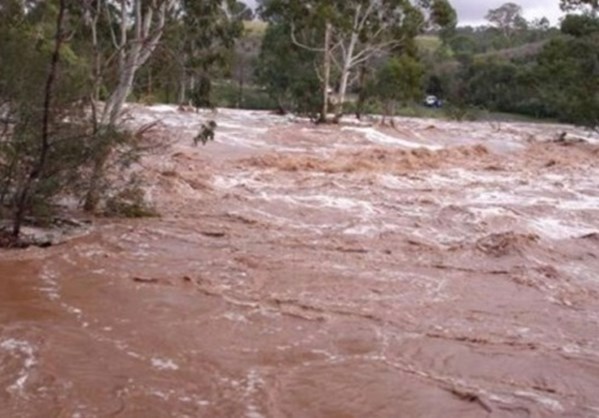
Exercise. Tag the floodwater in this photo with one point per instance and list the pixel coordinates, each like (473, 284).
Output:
(433, 270)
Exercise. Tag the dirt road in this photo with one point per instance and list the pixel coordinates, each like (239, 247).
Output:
(433, 270)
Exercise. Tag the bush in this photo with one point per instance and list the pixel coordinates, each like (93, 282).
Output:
(461, 113)
(129, 203)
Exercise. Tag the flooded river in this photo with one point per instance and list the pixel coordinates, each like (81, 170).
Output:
(433, 270)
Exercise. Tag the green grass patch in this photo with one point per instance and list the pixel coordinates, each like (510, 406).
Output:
(255, 27)
(428, 43)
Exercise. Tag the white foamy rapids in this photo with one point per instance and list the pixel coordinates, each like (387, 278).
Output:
(280, 221)
(363, 230)
(243, 128)
(163, 108)
(581, 202)
(559, 229)
(382, 139)
(25, 351)
(317, 201)
(235, 139)
(50, 285)
(164, 364)
(545, 401)
(253, 383)
(250, 181)
(394, 182)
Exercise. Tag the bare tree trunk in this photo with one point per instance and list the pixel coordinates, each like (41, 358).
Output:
(193, 82)
(110, 116)
(96, 70)
(38, 168)
(345, 72)
(8, 176)
(240, 84)
(117, 99)
(182, 88)
(362, 92)
(139, 50)
(133, 54)
(326, 73)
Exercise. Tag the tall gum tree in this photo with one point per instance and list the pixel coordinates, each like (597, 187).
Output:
(507, 18)
(135, 28)
(355, 31)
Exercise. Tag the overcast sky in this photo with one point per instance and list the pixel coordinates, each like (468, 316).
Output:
(472, 12)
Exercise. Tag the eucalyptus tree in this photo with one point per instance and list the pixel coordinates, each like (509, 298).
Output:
(507, 18)
(286, 72)
(135, 28)
(201, 40)
(42, 82)
(353, 32)
(58, 57)
(398, 81)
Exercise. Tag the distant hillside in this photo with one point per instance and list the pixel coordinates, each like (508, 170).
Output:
(522, 51)
(431, 43)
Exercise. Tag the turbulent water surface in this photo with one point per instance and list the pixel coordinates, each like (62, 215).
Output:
(433, 270)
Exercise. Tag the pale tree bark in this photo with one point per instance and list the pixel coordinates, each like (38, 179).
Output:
(183, 88)
(326, 78)
(347, 54)
(140, 28)
(92, 15)
(148, 23)
(354, 53)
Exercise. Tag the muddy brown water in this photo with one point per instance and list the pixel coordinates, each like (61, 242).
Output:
(436, 270)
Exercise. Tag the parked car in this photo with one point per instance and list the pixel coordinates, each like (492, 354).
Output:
(432, 101)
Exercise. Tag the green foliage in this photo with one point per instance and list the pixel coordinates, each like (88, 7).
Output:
(500, 85)
(428, 43)
(489, 67)
(568, 74)
(350, 33)
(44, 134)
(129, 202)
(580, 25)
(201, 95)
(520, 67)
(507, 18)
(462, 44)
(287, 72)
(459, 112)
(197, 48)
(443, 15)
(490, 40)
(399, 81)
(226, 94)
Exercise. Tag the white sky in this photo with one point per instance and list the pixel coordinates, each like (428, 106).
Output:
(472, 12)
